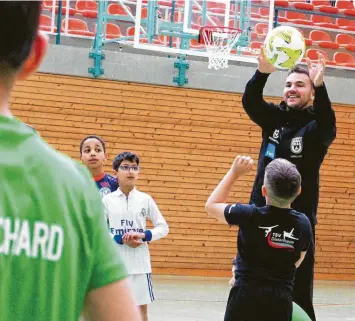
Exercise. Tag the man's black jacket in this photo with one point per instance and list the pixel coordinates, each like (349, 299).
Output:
(300, 136)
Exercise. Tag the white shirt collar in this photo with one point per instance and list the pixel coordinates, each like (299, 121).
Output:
(131, 193)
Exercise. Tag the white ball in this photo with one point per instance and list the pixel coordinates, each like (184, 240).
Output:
(284, 47)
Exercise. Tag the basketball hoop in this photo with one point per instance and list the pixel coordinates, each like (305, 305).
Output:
(219, 42)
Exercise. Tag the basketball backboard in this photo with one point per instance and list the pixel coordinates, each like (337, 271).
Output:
(173, 27)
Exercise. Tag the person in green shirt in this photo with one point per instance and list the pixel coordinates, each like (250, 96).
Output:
(57, 259)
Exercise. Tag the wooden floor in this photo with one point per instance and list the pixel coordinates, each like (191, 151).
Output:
(204, 299)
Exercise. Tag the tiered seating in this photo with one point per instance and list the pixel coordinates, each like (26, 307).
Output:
(48, 5)
(298, 18)
(346, 7)
(346, 41)
(340, 59)
(45, 23)
(312, 54)
(112, 31)
(323, 39)
(340, 46)
(301, 4)
(117, 9)
(88, 8)
(346, 24)
(344, 59)
(323, 21)
(130, 33)
(77, 27)
(324, 6)
(218, 7)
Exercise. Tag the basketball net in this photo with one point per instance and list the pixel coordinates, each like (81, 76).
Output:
(219, 42)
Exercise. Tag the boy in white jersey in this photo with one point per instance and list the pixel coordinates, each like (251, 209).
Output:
(127, 210)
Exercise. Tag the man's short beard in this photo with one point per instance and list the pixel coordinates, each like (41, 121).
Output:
(297, 107)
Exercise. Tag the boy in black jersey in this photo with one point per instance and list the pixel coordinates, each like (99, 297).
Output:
(272, 242)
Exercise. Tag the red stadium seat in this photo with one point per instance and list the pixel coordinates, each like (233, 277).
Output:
(217, 7)
(323, 39)
(163, 3)
(194, 43)
(346, 41)
(117, 9)
(313, 56)
(48, 4)
(130, 33)
(88, 8)
(231, 24)
(301, 4)
(112, 31)
(45, 23)
(346, 7)
(177, 17)
(261, 29)
(298, 18)
(346, 24)
(77, 27)
(144, 13)
(282, 17)
(264, 12)
(344, 59)
(324, 21)
(281, 3)
(255, 13)
(324, 6)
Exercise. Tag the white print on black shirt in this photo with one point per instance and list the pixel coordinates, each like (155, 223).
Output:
(285, 240)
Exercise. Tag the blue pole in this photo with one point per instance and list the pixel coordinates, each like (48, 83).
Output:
(59, 21)
(172, 19)
(96, 54)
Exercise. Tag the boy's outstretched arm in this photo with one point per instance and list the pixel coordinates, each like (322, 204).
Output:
(215, 205)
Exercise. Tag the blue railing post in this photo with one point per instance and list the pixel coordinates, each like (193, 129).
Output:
(152, 12)
(59, 21)
(96, 54)
(182, 66)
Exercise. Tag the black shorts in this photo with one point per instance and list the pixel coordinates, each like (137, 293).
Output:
(259, 303)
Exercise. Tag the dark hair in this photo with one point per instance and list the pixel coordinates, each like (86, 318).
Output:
(92, 137)
(282, 179)
(299, 70)
(18, 27)
(124, 156)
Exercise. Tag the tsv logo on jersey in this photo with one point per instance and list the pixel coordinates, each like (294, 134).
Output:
(284, 240)
(296, 145)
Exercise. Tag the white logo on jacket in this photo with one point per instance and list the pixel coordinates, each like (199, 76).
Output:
(276, 134)
(104, 191)
(296, 145)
